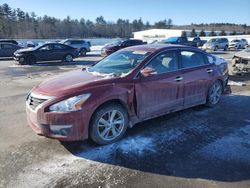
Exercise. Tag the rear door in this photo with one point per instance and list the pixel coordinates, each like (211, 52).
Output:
(160, 92)
(197, 76)
(8, 50)
(58, 51)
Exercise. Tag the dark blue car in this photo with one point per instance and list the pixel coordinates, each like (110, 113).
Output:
(46, 52)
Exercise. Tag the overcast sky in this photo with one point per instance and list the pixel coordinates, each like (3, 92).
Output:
(180, 11)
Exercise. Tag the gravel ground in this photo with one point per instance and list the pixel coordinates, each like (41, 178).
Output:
(197, 147)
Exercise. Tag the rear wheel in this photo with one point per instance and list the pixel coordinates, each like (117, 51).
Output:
(68, 58)
(214, 93)
(215, 48)
(83, 52)
(226, 48)
(108, 124)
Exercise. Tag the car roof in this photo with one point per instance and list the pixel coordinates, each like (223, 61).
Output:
(8, 43)
(155, 47)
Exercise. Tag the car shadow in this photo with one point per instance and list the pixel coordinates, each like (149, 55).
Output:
(201, 142)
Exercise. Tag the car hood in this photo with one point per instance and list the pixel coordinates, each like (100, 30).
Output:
(23, 50)
(243, 54)
(111, 46)
(69, 83)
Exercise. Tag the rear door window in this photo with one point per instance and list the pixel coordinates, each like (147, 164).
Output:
(191, 59)
(7, 46)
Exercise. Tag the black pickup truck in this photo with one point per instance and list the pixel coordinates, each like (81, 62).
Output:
(179, 40)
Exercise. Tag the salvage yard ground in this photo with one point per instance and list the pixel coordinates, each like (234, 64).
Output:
(197, 147)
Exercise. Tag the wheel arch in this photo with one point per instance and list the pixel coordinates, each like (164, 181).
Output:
(105, 103)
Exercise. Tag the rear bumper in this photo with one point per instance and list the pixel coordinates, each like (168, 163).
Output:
(68, 126)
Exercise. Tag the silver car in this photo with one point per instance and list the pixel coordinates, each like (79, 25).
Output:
(82, 45)
(215, 44)
(238, 44)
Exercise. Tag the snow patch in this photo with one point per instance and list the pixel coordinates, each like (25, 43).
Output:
(232, 83)
(132, 145)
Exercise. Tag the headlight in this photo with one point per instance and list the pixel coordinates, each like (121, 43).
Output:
(71, 104)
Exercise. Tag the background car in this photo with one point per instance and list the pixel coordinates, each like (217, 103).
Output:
(126, 87)
(8, 49)
(241, 62)
(119, 44)
(199, 42)
(9, 41)
(179, 40)
(216, 44)
(82, 45)
(238, 44)
(46, 52)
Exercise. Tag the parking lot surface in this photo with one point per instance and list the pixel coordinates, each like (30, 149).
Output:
(197, 147)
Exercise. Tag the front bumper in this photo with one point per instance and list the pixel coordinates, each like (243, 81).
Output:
(64, 126)
(207, 48)
(19, 58)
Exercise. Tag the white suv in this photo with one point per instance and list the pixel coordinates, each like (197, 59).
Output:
(238, 44)
(82, 45)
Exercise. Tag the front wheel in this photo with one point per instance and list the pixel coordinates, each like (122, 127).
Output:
(214, 93)
(108, 124)
(68, 58)
(30, 60)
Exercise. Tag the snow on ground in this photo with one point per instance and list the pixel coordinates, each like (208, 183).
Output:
(235, 146)
(95, 50)
(233, 83)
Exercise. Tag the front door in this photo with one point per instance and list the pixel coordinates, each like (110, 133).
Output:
(160, 92)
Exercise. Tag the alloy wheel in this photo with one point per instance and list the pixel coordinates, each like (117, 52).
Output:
(215, 93)
(111, 125)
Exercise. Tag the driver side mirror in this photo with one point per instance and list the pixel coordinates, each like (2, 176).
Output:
(147, 71)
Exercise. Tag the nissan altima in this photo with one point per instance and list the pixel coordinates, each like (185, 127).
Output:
(129, 86)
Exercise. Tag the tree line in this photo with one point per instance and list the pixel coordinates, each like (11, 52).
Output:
(15, 23)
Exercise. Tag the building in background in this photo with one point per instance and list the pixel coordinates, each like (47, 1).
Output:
(165, 33)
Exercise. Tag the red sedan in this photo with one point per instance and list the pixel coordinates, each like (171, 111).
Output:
(129, 86)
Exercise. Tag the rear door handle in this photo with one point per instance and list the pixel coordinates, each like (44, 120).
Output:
(178, 78)
(209, 70)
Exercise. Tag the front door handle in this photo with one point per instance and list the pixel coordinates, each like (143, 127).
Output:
(178, 78)
(209, 70)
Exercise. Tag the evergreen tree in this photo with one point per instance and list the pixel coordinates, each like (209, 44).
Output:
(202, 33)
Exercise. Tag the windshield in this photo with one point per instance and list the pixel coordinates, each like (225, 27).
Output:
(119, 63)
(170, 39)
(212, 40)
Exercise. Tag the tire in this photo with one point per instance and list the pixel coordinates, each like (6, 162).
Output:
(215, 48)
(214, 93)
(102, 128)
(83, 52)
(68, 58)
(226, 48)
(30, 60)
